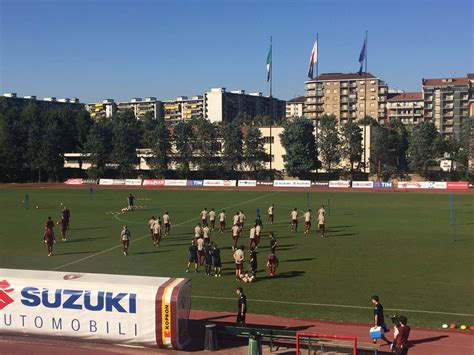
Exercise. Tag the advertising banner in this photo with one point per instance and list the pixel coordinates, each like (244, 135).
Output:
(264, 183)
(74, 181)
(362, 184)
(106, 182)
(383, 184)
(133, 310)
(154, 182)
(118, 182)
(195, 182)
(174, 182)
(412, 184)
(442, 185)
(340, 183)
(251, 183)
(133, 182)
(292, 183)
(220, 183)
(89, 181)
(320, 183)
(458, 185)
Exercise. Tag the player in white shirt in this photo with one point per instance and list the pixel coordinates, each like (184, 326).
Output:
(241, 220)
(235, 230)
(222, 218)
(294, 220)
(157, 233)
(167, 223)
(252, 241)
(203, 215)
(197, 231)
(258, 230)
(151, 222)
(307, 221)
(322, 221)
(206, 234)
(212, 218)
(236, 218)
(270, 213)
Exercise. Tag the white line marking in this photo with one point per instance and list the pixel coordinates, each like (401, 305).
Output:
(335, 306)
(147, 235)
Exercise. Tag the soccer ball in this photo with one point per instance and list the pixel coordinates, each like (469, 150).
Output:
(37, 207)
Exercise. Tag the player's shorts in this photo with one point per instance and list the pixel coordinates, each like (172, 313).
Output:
(307, 224)
(167, 225)
(157, 236)
(203, 222)
(217, 263)
(151, 232)
(222, 223)
(321, 226)
(193, 258)
(125, 243)
(212, 221)
(294, 221)
(235, 237)
(238, 266)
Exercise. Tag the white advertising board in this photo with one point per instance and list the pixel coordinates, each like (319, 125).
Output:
(220, 183)
(340, 183)
(251, 183)
(106, 182)
(174, 182)
(362, 184)
(134, 310)
(133, 182)
(292, 183)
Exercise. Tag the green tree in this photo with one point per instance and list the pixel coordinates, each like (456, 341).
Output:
(464, 138)
(54, 142)
(160, 146)
(254, 155)
(300, 145)
(352, 144)
(233, 149)
(329, 141)
(423, 147)
(98, 147)
(206, 147)
(32, 118)
(125, 141)
(183, 139)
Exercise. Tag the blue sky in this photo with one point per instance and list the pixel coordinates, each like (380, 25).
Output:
(137, 48)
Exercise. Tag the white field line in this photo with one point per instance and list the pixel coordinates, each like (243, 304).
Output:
(147, 235)
(334, 305)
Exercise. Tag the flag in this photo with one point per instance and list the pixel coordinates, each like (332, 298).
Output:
(312, 59)
(363, 55)
(269, 63)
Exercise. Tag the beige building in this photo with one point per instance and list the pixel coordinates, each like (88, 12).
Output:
(346, 96)
(183, 108)
(294, 107)
(405, 107)
(108, 107)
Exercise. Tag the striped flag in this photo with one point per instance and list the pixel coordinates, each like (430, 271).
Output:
(313, 59)
(363, 55)
(269, 63)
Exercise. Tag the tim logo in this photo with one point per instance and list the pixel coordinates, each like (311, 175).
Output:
(5, 299)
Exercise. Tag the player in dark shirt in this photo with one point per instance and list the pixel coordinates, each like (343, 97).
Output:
(400, 342)
(253, 262)
(130, 200)
(193, 256)
(66, 216)
(49, 240)
(49, 223)
(379, 319)
(208, 258)
(272, 264)
(216, 257)
(273, 242)
(242, 306)
(63, 223)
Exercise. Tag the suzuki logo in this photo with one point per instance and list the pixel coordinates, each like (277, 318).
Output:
(5, 299)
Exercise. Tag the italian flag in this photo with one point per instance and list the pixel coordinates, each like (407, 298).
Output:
(313, 59)
(269, 63)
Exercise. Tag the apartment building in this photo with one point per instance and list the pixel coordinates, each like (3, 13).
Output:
(346, 96)
(47, 102)
(108, 107)
(406, 107)
(446, 103)
(183, 108)
(294, 107)
(223, 106)
(470, 77)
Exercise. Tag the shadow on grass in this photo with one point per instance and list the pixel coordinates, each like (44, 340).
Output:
(78, 252)
(86, 229)
(340, 235)
(84, 239)
(297, 260)
(157, 251)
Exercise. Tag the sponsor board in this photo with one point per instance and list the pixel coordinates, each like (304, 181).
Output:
(412, 185)
(320, 183)
(441, 185)
(133, 182)
(292, 183)
(106, 182)
(107, 308)
(340, 183)
(175, 182)
(458, 185)
(264, 183)
(383, 184)
(195, 183)
(74, 181)
(220, 183)
(89, 181)
(154, 182)
(362, 184)
(251, 183)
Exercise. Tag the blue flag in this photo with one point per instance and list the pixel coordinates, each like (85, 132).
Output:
(363, 55)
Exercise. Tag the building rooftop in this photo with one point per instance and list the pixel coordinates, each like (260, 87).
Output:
(406, 96)
(299, 99)
(446, 81)
(343, 76)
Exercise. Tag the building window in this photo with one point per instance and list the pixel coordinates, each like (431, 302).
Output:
(372, 81)
(361, 90)
(335, 91)
(372, 105)
(268, 140)
(328, 106)
(372, 89)
(361, 105)
(372, 97)
(334, 106)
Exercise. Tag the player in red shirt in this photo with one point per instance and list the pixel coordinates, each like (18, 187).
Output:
(272, 264)
(49, 240)
(49, 223)
(63, 223)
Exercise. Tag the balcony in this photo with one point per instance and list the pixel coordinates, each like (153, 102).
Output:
(343, 108)
(344, 100)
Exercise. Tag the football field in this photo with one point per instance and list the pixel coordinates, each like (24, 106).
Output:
(400, 246)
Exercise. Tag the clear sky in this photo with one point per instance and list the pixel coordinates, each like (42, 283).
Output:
(95, 49)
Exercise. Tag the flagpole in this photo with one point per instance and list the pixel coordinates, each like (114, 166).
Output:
(316, 83)
(271, 105)
(365, 105)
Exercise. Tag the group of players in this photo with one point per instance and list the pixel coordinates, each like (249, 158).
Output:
(49, 237)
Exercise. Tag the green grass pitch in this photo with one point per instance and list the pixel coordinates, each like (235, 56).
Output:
(399, 246)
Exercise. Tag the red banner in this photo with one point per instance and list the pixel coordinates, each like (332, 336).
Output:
(74, 181)
(458, 185)
(154, 182)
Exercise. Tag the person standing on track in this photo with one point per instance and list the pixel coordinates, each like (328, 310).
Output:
(242, 306)
(270, 213)
(130, 201)
(49, 240)
(294, 220)
(212, 218)
(307, 221)
(125, 237)
(203, 215)
(379, 319)
(62, 222)
(167, 223)
(151, 223)
(222, 218)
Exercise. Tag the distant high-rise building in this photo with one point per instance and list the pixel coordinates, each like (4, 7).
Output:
(184, 108)
(446, 103)
(345, 95)
(294, 107)
(405, 107)
(47, 102)
(108, 107)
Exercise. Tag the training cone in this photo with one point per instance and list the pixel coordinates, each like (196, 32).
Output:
(452, 326)
(472, 327)
(463, 327)
(445, 326)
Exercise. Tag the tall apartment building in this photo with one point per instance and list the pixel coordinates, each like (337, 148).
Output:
(183, 108)
(345, 95)
(108, 107)
(405, 107)
(470, 77)
(47, 102)
(223, 106)
(294, 107)
(446, 103)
